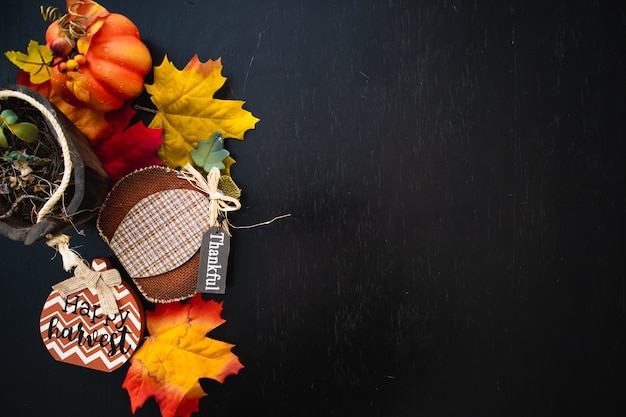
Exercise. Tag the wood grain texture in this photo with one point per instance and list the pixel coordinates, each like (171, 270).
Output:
(454, 174)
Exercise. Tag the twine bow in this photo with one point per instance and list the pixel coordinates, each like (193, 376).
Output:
(99, 281)
(84, 277)
(219, 202)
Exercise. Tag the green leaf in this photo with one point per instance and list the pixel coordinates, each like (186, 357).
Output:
(25, 131)
(228, 187)
(8, 116)
(210, 153)
(3, 140)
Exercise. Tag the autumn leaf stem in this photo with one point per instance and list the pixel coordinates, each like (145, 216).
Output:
(146, 109)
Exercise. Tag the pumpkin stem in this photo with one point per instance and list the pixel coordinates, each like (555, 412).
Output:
(70, 23)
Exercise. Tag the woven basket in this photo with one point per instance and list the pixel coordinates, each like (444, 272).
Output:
(90, 182)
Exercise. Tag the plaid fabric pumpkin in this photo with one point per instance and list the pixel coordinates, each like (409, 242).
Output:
(153, 221)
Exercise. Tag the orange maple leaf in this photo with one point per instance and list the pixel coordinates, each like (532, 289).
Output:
(170, 363)
(91, 122)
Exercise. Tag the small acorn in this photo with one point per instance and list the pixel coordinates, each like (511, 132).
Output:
(62, 46)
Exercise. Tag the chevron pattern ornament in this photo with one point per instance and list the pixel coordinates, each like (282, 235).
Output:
(74, 330)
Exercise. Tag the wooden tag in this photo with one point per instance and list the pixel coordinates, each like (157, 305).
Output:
(214, 253)
(75, 331)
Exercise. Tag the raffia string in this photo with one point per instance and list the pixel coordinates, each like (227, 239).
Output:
(85, 277)
(61, 243)
(219, 202)
(265, 223)
(65, 150)
(98, 281)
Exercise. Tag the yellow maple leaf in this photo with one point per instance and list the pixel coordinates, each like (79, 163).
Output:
(170, 363)
(188, 112)
(36, 61)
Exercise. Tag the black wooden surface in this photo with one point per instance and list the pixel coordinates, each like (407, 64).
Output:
(454, 172)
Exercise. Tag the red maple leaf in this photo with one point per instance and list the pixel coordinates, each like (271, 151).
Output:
(128, 148)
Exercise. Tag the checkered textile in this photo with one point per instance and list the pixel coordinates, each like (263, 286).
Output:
(161, 232)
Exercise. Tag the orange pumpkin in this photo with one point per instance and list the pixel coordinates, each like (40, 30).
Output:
(104, 67)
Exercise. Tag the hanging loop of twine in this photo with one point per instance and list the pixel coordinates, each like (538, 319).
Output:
(62, 244)
(219, 202)
(84, 277)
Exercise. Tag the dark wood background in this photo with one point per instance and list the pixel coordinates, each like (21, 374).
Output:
(454, 174)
